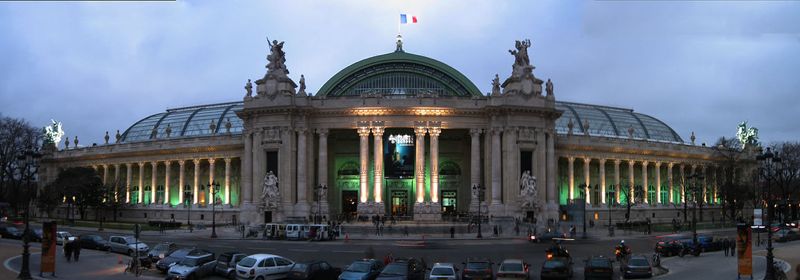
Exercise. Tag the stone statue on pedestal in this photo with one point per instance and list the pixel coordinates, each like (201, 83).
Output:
(548, 87)
(276, 80)
(302, 90)
(522, 80)
(270, 194)
(249, 88)
(496, 85)
(528, 192)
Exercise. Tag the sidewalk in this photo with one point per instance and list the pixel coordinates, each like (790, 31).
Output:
(92, 265)
(715, 265)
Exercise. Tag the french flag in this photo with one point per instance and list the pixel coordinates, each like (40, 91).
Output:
(404, 18)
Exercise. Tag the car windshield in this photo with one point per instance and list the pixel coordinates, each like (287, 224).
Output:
(299, 267)
(599, 263)
(638, 262)
(224, 258)
(442, 271)
(12, 229)
(161, 247)
(247, 262)
(180, 253)
(96, 238)
(395, 269)
(511, 267)
(358, 267)
(130, 239)
(553, 264)
(189, 262)
(477, 265)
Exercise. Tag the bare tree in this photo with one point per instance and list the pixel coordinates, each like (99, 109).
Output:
(16, 135)
(733, 192)
(787, 180)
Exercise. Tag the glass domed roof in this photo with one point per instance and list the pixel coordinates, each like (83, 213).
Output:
(186, 122)
(612, 122)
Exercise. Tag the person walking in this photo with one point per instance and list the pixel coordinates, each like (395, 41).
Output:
(452, 232)
(405, 230)
(67, 249)
(726, 246)
(76, 249)
(733, 247)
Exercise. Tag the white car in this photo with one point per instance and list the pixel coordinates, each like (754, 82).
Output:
(513, 269)
(443, 271)
(127, 245)
(63, 235)
(263, 267)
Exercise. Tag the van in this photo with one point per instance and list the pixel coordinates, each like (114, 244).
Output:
(305, 231)
(293, 232)
(322, 232)
(275, 231)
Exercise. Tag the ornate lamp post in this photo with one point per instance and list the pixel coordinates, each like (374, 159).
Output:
(481, 190)
(694, 189)
(317, 193)
(187, 198)
(769, 169)
(28, 166)
(213, 188)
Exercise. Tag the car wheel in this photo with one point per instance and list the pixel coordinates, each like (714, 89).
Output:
(230, 275)
(259, 278)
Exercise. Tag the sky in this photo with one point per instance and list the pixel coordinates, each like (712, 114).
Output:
(701, 66)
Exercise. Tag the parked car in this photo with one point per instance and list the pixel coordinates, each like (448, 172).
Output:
(165, 263)
(194, 266)
(93, 241)
(443, 271)
(598, 267)
(512, 269)
(9, 231)
(556, 268)
(636, 266)
(313, 270)
(367, 269)
(226, 264)
(546, 236)
(63, 235)
(127, 245)
(161, 250)
(37, 235)
(785, 235)
(294, 232)
(263, 267)
(404, 269)
(477, 269)
(668, 248)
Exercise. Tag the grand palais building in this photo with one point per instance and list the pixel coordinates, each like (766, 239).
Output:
(400, 135)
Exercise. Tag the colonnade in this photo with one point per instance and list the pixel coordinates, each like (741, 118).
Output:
(165, 165)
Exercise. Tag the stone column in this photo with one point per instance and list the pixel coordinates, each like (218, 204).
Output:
(586, 179)
(167, 163)
(616, 181)
(497, 182)
(181, 177)
(116, 182)
(434, 132)
(475, 156)
(302, 172)
(363, 133)
(419, 170)
(105, 174)
(602, 180)
(377, 136)
(246, 183)
(153, 181)
(129, 167)
(571, 174)
(196, 184)
(645, 187)
(658, 181)
(141, 183)
(632, 184)
(714, 185)
(227, 199)
(683, 183)
(670, 182)
(552, 163)
(322, 170)
(704, 184)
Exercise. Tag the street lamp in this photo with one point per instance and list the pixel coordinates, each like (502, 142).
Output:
(317, 193)
(770, 167)
(213, 188)
(694, 177)
(481, 189)
(187, 197)
(28, 166)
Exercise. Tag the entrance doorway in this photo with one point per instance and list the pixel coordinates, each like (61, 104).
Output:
(349, 202)
(267, 217)
(399, 203)
(449, 202)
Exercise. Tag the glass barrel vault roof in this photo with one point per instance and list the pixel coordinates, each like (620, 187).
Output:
(603, 121)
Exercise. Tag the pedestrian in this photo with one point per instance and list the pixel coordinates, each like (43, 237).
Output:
(452, 232)
(380, 230)
(495, 230)
(733, 247)
(726, 246)
(405, 230)
(76, 249)
(388, 259)
(67, 249)
(516, 229)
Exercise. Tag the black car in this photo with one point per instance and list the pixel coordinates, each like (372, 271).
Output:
(546, 236)
(556, 268)
(37, 235)
(477, 269)
(667, 248)
(171, 259)
(636, 266)
(313, 270)
(598, 267)
(91, 241)
(367, 269)
(8, 231)
(404, 269)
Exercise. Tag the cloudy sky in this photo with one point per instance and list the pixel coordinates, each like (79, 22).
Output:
(699, 66)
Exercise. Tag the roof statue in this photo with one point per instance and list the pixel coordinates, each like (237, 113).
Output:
(522, 80)
(496, 85)
(302, 91)
(399, 43)
(276, 80)
(249, 89)
(548, 87)
(52, 134)
(747, 136)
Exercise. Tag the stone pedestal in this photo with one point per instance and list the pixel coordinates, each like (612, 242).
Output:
(427, 211)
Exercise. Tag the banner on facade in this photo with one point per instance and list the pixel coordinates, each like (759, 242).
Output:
(49, 247)
(744, 250)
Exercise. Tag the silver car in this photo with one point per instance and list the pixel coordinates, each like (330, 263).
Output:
(193, 266)
(127, 245)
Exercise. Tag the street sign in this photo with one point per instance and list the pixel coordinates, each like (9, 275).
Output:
(757, 215)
